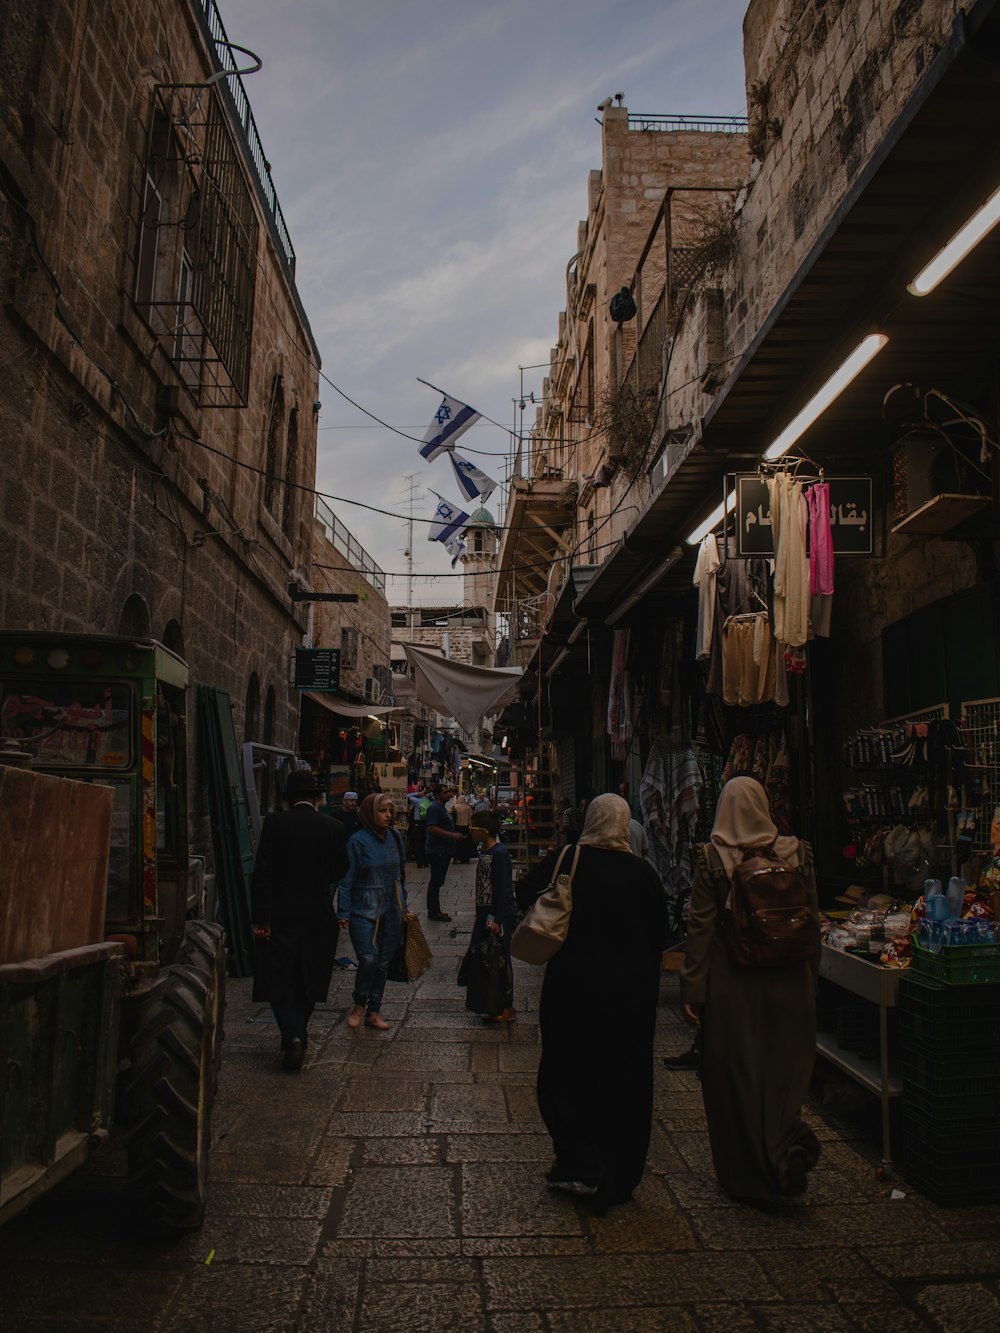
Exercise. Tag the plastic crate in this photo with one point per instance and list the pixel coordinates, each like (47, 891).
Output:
(951, 1175)
(971, 1080)
(959, 964)
(929, 1137)
(949, 1020)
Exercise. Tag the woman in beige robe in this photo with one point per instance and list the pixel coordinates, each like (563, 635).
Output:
(758, 1024)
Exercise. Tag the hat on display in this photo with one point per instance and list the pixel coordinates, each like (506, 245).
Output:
(300, 783)
(852, 896)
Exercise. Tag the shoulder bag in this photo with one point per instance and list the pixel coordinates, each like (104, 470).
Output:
(543, 931)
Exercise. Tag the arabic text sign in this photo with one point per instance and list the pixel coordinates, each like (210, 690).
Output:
(852, 516)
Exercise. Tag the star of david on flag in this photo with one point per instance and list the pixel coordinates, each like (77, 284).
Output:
(455, 548)
(448, 521)
(451, 420)
(473, 483)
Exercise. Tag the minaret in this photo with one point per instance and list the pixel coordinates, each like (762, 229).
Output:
(479, 562)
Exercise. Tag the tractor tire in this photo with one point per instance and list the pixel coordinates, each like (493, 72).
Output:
(168, 1101)
(204, 948)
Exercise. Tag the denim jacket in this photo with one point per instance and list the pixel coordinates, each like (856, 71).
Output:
(369, 887)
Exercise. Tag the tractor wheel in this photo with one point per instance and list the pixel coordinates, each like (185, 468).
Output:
(169, 1100)
(204, 948)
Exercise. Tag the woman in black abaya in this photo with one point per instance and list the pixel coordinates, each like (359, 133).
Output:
(598, 1015)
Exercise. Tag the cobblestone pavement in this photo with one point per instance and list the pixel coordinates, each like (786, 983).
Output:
(396, 1184)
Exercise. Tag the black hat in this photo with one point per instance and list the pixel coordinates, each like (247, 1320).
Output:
(300, 783)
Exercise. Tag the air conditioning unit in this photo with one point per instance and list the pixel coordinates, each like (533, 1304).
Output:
(936, 485)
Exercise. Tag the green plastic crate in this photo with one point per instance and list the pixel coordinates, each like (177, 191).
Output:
(959, 964)
(946, 1019)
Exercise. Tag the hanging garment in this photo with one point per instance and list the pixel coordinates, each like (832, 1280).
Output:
(705, 570)
(669, 795)
(779, 789)
(820, 559)
(740, 587)
(619, 720)
(748, 661)
(789, 522)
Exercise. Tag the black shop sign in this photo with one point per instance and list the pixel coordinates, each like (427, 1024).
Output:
(852, 516)
(317, 669)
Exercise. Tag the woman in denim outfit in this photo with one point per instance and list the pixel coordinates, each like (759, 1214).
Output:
(372, 901)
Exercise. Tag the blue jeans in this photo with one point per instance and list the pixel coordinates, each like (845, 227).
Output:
(374, 942)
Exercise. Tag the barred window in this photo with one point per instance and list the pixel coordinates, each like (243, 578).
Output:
(196, 256)
(348, 649)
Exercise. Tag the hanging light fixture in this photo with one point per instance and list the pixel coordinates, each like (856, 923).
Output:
(866, 349)
(964, 240)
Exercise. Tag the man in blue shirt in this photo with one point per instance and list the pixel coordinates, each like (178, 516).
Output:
(441, 842)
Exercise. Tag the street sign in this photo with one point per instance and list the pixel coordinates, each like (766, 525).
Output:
(852, 516)
(317, 669)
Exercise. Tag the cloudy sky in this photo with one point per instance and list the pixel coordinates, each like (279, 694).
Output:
(431, 159)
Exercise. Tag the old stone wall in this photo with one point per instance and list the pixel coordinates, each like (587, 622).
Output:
(365, 621)
(125, 504)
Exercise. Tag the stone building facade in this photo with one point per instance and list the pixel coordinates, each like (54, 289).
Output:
(159, 392)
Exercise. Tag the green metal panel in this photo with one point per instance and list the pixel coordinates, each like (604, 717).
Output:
(230, 822)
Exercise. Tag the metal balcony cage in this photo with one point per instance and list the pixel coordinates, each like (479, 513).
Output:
(198, 235)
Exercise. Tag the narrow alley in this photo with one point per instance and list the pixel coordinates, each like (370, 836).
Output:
(396, 1184)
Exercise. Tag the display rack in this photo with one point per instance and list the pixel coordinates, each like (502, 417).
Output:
(534, 829)
(981, 723)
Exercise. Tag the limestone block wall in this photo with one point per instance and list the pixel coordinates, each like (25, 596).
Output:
(368, 617)
(119, 509)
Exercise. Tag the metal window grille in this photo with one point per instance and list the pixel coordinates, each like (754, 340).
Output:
(981, 723)
(194, 188)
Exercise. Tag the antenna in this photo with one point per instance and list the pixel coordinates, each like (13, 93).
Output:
(410, 478)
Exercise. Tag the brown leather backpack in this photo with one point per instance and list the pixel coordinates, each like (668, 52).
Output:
(770, 922)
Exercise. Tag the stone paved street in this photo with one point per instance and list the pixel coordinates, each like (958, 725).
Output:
(396, 1183)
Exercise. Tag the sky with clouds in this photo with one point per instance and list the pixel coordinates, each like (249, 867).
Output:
(431, 160)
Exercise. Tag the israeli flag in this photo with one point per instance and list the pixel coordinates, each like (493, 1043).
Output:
(448, 520)
(474, 484)
(456, 548)
(451, 420)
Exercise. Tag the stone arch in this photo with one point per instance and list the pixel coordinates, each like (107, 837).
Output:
(270, 707)
(173, 637)
(251, 711)
(134, 620)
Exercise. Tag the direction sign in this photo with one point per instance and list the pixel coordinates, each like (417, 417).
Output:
(317, 669)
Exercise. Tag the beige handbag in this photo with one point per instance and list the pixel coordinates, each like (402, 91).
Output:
(543, 931)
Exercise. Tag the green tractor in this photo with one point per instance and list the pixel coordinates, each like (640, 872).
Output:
(112, 982)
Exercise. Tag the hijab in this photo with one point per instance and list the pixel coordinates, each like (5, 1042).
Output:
(607, 824)
(368, 809)
(743, 820)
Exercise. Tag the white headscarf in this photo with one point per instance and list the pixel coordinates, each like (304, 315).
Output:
(743, 820)
(607, 824)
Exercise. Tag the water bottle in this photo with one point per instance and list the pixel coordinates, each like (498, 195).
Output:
(935, 903)
(956, 896)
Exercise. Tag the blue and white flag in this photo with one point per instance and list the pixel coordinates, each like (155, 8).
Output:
(448, 521)
(474, 484)
(456, 548)
(451, 420)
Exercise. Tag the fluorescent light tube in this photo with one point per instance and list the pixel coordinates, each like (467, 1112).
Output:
(716, 516)
(821, 400)
(964, 240)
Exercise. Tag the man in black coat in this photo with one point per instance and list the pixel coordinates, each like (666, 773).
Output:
(300, 857)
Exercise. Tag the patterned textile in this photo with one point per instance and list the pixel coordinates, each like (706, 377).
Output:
(669, 799)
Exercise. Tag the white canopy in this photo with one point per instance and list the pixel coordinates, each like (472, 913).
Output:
(460, 691)
(343, 709)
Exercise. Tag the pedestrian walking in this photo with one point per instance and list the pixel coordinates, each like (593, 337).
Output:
(348, 813)
(597, 1013)
(418, 816)
(300, 856)
(496, 907)
(372, 900)
(758, 1024)
(461, 813)
(441, 842)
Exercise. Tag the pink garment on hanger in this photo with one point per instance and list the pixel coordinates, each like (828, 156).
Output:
(820, 540)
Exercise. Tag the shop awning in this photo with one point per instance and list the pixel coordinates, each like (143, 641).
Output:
(458, 690)
(343, 709)
(929, 173)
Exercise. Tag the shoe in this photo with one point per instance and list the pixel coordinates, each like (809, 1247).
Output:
(295, 1053)
(438, 916)
(686, 1060)
(557, 1180)
(508, 1016)
(378, 1022)
(355, 1016)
